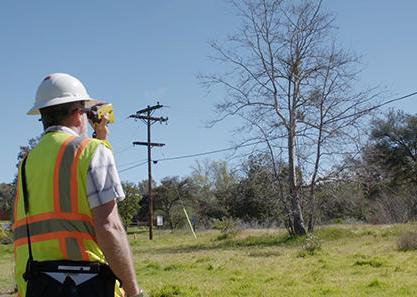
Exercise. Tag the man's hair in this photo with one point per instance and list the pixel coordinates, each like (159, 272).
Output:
(56, 114)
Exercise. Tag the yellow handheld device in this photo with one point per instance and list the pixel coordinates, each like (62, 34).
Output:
(98, 111)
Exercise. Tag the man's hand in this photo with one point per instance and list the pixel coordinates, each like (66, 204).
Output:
(141, 294)
(100, 128)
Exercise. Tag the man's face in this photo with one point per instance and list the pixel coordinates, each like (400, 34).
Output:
(83, 127)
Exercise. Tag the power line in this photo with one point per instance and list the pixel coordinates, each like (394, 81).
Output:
(209, 152)
(195, 155)
(132, 162)
(377, 106)
(122, 150)
(134, 166)
(394, 100)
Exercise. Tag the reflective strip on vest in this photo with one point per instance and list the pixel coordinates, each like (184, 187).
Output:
(65, 175)
(57, 175)
(73, 248)
(53, 225)
(66, 179)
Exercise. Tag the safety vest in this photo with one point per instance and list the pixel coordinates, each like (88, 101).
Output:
(60, 219)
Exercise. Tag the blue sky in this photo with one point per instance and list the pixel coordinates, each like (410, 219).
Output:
(132, 52)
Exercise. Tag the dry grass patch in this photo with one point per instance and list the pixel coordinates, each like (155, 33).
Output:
(407, 241)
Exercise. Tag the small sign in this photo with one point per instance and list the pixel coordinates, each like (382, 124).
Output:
(159, 221)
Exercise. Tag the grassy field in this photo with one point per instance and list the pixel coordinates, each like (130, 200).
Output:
(356, 260)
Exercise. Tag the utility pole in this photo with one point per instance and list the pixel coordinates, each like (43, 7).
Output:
(146, 116)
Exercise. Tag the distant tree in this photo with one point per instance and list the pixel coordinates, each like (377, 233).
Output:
(294, 88)
(341, 200)
(143, 213)
(7, 192)
(393, 148)
(253, 198)
(25, 149)
(170, 197)
(212, 182)
(129, 207)
(387, 168)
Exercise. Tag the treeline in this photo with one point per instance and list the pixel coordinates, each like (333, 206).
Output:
(378, 185)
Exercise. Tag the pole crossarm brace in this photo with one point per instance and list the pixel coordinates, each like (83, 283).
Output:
(155, 119)
(150, 108)
(146, 143)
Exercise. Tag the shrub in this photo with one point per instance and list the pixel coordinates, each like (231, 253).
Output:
(228, 235)
(373, 262)
(2, 232)
(375, 284)
(5, 236)
(311, 245)
(227, 226)
(407, 241)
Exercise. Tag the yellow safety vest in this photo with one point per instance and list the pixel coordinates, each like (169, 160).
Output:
(60, 219)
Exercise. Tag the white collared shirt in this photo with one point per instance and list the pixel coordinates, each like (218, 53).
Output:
(103, 181)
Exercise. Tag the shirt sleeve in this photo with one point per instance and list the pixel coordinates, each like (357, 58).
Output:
(103, 181)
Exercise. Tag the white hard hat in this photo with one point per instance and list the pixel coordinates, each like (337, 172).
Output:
(59, 88)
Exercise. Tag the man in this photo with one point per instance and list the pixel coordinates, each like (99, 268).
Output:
(73, 188)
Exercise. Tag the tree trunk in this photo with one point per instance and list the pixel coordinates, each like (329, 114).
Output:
(298, 221)
(312, 209)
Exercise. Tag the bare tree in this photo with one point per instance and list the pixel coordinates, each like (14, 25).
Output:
(295, 87)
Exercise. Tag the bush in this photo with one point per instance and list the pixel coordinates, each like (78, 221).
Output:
(407, 241)
(227, 226)
(5, 235)
(374, 262)
(311, 245)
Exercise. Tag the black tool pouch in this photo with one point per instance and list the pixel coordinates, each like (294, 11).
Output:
(100, 282)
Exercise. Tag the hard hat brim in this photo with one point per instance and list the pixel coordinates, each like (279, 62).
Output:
(56, 101)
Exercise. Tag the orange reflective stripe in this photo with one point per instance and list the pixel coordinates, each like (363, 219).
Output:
(53, 215)
(84, 253)
(64, 145)
(54, 236)
(74, 174)
(63, 247)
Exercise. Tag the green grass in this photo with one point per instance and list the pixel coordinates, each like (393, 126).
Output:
(355, 261)
(6, 269)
